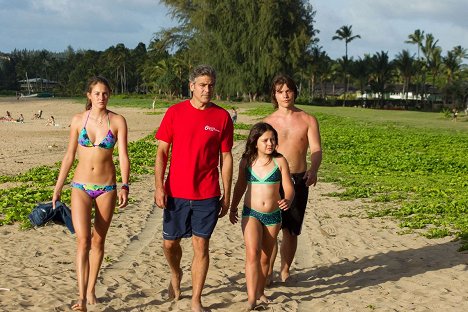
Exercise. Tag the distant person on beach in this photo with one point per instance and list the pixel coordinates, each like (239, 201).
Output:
(20, 119)
(51, 121)
(200, 135)
(234, 115)
(37, 115)
(261, 171)
(8, 116)
(93, 134)
(454, 114)
(298, 132)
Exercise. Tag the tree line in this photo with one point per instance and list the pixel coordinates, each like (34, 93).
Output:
(248, 42)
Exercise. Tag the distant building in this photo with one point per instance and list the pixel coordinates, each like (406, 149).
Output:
(35, 85)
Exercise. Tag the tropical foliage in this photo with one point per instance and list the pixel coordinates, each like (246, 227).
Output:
(248, 42)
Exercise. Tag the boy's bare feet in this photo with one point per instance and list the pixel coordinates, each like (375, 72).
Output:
(284, 276)
(269, 280)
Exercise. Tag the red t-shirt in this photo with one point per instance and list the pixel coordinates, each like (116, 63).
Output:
(197, 138)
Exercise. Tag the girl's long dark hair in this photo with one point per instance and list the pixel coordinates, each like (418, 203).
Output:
(257, 131)
(91, 83)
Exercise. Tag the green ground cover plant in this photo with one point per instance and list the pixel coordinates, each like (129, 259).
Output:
(414, 168)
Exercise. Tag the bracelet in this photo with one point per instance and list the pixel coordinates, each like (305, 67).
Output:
(125, 187)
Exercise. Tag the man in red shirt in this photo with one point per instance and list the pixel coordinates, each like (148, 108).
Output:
(201, 136)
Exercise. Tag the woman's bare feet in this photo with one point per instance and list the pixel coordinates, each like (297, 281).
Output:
(264, 299)
(173, 289)
(80, 305)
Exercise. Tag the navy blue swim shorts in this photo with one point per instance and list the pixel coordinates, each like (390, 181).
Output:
(183, 218)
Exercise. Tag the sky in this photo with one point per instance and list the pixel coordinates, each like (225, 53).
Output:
(383, 25)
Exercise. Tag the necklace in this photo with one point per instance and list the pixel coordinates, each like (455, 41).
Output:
(100, 118)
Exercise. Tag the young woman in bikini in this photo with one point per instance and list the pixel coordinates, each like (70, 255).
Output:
(93, 134)
(261, 172)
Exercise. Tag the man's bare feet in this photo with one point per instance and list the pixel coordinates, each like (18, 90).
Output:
(173, 289)
(284, 276)
(80, 305)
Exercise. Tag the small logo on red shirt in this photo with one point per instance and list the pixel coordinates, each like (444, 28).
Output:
(208, 128)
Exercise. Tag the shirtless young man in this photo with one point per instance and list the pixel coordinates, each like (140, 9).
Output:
(297, 131)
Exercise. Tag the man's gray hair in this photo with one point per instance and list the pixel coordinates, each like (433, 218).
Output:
(202, 70)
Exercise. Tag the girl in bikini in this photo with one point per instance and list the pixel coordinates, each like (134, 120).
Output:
(261, 172)
(93, 134)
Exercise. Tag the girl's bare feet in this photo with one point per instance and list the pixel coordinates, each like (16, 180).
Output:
(80, 305)
(91, 298)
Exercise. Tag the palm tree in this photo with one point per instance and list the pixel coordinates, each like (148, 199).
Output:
(360, 71)
(416, 38)
(452, 65)
(432, 53)
(460, 52)
(382, 72)
(345, 33)
(405, 64)
(318, 61)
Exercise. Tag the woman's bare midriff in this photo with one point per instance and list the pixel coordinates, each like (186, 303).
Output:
(95, 167)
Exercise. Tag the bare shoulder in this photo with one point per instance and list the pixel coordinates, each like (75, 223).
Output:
(281, 161)
(308, 118)
(77, 119)
(117, 118)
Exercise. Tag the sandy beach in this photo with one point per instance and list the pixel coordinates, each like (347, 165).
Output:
(345, 261)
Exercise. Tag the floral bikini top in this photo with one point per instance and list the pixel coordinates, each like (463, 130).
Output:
(108, 142)
(272, 178)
